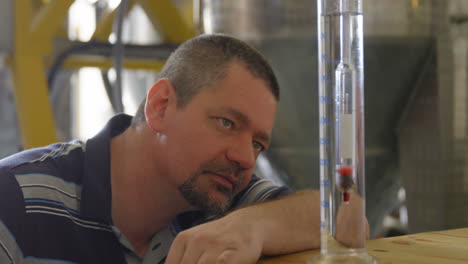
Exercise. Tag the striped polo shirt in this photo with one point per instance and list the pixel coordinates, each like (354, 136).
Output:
(55, 205)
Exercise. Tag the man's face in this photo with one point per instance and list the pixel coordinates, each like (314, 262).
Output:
(191, 189)
(213, 142)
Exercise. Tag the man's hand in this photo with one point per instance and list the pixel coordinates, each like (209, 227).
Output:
(352, 228)
(286, 225)
(227, 240)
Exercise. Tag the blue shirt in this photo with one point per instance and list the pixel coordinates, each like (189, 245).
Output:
(55, 205)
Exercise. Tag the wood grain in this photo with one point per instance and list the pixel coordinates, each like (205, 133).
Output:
(440, 247)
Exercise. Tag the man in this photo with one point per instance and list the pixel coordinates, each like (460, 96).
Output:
(170, 185)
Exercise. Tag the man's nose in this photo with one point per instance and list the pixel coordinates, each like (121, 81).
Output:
(241, 151)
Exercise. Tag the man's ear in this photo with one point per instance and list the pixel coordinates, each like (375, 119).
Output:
(160, 97)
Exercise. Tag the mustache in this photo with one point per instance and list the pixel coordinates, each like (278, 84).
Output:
(225, 169)
(233, 169)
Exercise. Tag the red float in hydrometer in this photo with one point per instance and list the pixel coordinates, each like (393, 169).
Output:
(345, 181)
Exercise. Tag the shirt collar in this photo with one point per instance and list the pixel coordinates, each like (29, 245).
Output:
(96, 193)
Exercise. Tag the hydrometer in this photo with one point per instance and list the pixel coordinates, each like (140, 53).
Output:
(341, 124)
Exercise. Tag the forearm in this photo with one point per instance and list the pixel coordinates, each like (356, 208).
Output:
(285, 225)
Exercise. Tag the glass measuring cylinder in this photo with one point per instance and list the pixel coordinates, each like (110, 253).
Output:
(341, 124)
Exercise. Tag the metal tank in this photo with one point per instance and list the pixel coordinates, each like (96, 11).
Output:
(257, 19)
(398, 44)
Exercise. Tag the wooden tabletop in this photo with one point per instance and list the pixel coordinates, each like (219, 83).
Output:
(440, 247)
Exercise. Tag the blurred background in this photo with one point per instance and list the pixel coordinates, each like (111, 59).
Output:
(67, 66)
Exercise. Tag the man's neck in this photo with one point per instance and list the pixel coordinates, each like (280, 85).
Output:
(142, 201)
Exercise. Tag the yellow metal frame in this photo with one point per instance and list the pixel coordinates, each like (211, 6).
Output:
(33, 39)
(166, 17)
(34, 34)
(104, 63)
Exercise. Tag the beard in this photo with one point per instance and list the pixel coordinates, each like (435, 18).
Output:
(198, 197)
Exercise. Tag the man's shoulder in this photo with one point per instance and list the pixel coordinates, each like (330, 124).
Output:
(41, 196)
(48, 174)
(52, 160)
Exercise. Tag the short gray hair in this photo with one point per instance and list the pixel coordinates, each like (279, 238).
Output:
(200, 62)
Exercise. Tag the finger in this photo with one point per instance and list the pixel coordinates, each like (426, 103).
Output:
(233, 257)
(211, 255)
(176, 252)
(227, 257)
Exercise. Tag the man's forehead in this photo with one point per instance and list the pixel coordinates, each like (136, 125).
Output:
(235, 66)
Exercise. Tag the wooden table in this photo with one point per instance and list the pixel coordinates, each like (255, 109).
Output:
(440, 247)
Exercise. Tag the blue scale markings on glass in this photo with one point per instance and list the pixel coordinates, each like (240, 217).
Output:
(325, 204)
(324, 162)
(325, 78)
(324, 58)
(322, 224)
(324, 37)
(324, 120)
(324, 141)
(325, 100)
(326, 183)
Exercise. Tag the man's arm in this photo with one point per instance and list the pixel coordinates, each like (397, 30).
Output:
(287, 225)
(282, 226)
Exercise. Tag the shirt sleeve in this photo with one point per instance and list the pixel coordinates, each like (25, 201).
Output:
(11, 218)
(9, 249)
(259, 190)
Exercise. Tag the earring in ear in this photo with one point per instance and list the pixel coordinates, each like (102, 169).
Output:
(159, 136)
(162, 138)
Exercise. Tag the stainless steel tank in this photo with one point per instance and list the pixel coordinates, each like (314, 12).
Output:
(398, 38)
(258, 19)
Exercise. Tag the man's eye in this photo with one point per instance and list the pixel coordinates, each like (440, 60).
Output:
(258, 146)
(226, 123)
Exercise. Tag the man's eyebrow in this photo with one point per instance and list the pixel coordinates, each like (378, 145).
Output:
(246, 121)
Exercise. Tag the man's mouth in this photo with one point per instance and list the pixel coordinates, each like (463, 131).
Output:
(227, 181)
